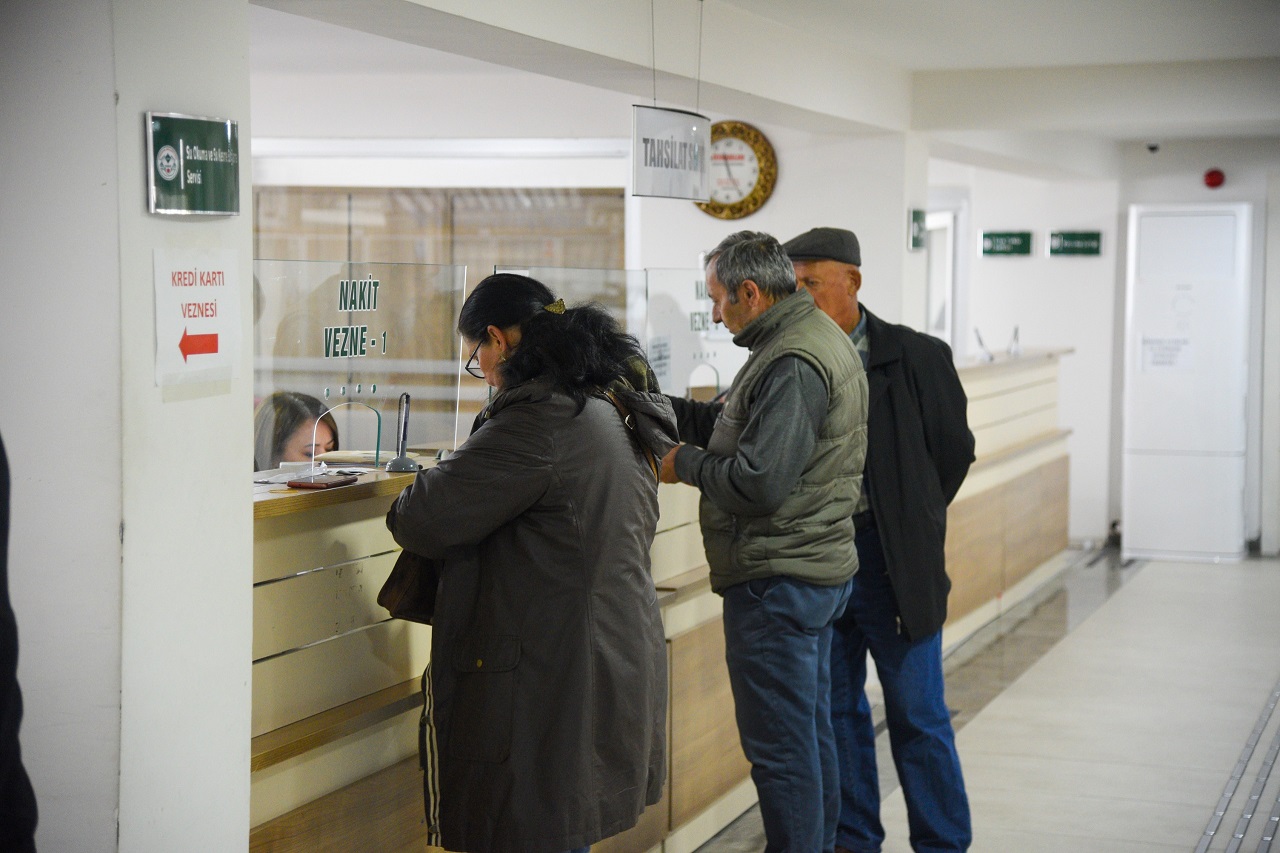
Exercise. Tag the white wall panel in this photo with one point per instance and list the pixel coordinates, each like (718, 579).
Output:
(1054, 302)
(60, 341)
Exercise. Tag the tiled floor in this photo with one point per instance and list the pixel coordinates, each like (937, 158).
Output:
(1109, 713)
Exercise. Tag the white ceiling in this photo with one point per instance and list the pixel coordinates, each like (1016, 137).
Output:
(923, 35)
(916, 35)
(289, 44)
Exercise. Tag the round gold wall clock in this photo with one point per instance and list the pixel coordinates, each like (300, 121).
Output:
(743, 170)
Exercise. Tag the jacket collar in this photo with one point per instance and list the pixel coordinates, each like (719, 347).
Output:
(775, 316)
(532, 390)
(885, 346)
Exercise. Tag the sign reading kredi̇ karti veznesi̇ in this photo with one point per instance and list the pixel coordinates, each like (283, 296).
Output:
(194, 164)
(669, 153)
(197, 315)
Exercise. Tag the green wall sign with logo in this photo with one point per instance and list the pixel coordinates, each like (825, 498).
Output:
(1006, 242)
(1075, 243)
(194, 164)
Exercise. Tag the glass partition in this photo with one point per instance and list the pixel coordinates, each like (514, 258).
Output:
(471, 227)
(355, 336)
(620, 292)
(668, 310)
(691, 355)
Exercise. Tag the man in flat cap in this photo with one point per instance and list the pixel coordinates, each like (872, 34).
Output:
(919, 449)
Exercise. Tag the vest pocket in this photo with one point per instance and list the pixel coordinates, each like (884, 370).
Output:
(484, 698)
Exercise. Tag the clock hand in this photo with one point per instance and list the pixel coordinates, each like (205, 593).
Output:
(729, 171)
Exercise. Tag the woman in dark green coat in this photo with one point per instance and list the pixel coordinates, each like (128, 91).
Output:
(548, 664)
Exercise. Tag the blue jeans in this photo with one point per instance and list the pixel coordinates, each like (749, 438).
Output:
(777, 635)
(920, 733)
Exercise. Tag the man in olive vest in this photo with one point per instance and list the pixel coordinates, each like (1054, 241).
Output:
(779, 464)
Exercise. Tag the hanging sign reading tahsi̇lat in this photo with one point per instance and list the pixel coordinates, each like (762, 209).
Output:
(194, 164)
(669, 153)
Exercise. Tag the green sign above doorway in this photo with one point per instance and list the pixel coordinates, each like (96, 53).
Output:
(1006, 242)
(1075, 243)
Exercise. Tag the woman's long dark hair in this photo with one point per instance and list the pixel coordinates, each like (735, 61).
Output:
(580, 351)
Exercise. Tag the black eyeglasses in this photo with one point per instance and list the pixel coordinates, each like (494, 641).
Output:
(473, 367)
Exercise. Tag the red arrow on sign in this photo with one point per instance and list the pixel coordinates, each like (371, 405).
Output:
(197, 344)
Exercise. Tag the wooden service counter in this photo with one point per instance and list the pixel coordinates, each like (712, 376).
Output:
(335, 682)
(1009, 519)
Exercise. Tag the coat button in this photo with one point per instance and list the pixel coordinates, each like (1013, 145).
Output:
(479, 663)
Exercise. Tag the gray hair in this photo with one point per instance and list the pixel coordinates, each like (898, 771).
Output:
(757, 256)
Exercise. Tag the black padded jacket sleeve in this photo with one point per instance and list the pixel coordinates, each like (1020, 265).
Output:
(695, 420)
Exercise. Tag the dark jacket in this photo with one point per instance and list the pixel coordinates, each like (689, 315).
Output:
(919, 449)
(548, 657)
(17, 799)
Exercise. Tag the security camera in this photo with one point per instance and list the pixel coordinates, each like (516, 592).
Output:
(1153, 147)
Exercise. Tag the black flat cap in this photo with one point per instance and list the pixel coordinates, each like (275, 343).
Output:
(825, 244)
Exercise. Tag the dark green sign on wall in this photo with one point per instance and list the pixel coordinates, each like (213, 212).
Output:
(1075, 243)
(1006, 242)
(194, 164)
(919, 237)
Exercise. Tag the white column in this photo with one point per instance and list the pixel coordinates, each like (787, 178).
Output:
(187, 453)
(60, 364)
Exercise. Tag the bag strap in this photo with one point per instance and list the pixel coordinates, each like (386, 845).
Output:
(629, 422)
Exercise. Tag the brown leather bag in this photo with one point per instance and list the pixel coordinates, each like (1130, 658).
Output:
(410, 590)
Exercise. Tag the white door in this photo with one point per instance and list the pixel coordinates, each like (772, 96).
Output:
(1186, 375)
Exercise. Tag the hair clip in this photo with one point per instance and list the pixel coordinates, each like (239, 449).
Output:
(556, 307)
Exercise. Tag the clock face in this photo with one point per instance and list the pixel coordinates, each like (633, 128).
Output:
(743, 170)
(735, 170)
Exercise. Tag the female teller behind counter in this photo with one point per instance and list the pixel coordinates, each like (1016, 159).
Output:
(548, 666)
(283, 427)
